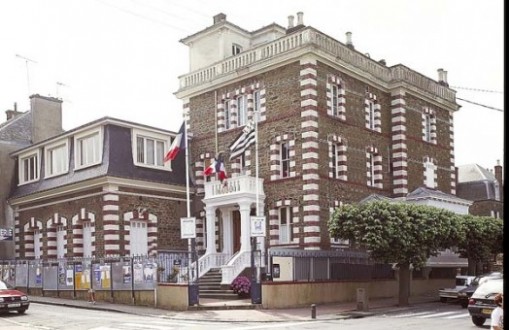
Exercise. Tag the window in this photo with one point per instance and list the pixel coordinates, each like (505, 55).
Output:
(37, 243)
(371, 169)
(227, 114)
(429, 174)
(149, 151)
(61, 242)
(88, 148)
(57, 158)
(427, 127)
(87, 239)
(242, 110)
(29, 167)
(236, 49)
(242, 163)
(138, 237)
(285, 225)
(335, 100)
(371, 114)
(285, 160)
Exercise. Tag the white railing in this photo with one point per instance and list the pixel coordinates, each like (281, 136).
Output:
(235, 266)
(310, 36)
(240, 184)
(209, 261)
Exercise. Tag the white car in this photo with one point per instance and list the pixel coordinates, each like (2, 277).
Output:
(462, 281)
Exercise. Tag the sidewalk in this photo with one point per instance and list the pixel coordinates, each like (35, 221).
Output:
(209, 311)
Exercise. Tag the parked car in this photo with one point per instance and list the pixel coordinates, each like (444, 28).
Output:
(481, 304)
(465, 294)
(12, 299)
(462, 281)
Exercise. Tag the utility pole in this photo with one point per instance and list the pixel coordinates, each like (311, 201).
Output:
(28, 74)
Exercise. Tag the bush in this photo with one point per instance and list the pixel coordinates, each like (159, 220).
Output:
(241, 285)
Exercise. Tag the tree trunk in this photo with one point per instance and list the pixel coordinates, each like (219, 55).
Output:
(472, 267)
(404, 284)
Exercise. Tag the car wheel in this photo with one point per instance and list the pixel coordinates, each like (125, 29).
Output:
(464, 304)
(443, 299)
(22, 311)
(477, 320)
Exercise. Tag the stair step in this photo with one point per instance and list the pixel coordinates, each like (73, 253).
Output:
(225, 307)
(229, 296)
(216, 291)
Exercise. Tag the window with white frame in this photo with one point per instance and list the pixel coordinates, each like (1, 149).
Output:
(429, 173)
(242, 163)
(236, 49)
(87, 239)
(285, 225)
(227, 114)
(257, 105)
(427, 127)
(371, 169)
(149, 148)
(88, 148)
(138, 237)
(284, 153)
(335, 100)
(241, 110)
(37, 243)
(334, 160)
(29, 165)
(57, 158)
(371, 114)
(61, 242)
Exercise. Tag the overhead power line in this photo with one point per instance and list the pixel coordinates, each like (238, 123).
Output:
(477, 89)
(481, 105)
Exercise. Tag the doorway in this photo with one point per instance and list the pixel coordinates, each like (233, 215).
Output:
(236, 231)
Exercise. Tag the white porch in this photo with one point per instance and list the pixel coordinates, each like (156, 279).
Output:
(232, 202)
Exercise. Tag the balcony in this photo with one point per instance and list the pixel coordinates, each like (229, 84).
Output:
(241, 187)
(301, 41)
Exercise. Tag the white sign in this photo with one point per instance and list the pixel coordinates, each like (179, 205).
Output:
(187, 228)
(257, 226)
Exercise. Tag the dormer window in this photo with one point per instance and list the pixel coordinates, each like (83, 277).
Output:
(88, 148)
(149, 149)
(29, 165)
(236, 49)
(57, 158)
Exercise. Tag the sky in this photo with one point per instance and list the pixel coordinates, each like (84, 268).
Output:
(122, 58)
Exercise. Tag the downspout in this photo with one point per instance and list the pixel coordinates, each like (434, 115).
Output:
(215, 124)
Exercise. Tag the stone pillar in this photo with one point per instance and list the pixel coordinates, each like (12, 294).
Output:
(227, 231)
(245, 228)
(211, 229)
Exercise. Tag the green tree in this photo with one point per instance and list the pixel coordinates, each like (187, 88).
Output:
(401, 233)
(481, 238)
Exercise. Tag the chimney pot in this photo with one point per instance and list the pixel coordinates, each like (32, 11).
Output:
(349, 40)
(290, 21)
(300, 20)
(219, 18)
(440, 75)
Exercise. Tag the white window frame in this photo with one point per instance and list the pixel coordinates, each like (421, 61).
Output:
(429, 174)
(241, 110)
(138, 237)
(162, 139)
(87, 239)
(335, 99)
(371, 114)
(334, 160)
(285, 225)
(52, 158)
(285, 159)
(371, 157)
(37, 243)
(257, 105)
(236, 49)
(33, 175)
(227, 114)
(97, 149)
(61, 241)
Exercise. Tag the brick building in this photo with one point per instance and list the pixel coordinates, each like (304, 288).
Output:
(99, 190)
(42, 121)
(334, 126)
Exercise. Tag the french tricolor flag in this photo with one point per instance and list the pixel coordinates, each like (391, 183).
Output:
(217, 166)
(177, 145)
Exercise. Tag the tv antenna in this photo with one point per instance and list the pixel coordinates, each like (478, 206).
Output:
(58, 85)
(28, 75)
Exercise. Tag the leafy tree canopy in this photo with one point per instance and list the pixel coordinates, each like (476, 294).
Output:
(480, 237)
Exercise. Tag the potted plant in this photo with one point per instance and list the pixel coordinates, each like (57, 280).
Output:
(241, 286)
(172, 277)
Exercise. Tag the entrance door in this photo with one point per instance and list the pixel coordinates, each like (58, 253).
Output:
(236, 231)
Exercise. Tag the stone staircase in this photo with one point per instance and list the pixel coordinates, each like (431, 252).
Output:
(210, 286)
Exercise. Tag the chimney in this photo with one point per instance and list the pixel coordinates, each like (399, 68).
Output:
(498, 176)
(46, 117)
(349, 43)
(11, 114)
(219, 18)
(300, 16)
(382, 61)
(442, 77)
(290, 21)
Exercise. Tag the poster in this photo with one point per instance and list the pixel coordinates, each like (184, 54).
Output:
(126, 273)
(61, 275)
(38, 275)
(77, 276)
(138, 273)
(148, 273)
(105, 277)
(69, 279)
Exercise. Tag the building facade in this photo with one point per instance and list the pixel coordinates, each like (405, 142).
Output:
(21, 129)
(99, 190)
(334, 126)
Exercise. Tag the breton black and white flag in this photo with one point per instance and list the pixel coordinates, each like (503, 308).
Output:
(243, 141)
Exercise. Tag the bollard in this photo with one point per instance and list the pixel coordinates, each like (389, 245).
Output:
(313, 311)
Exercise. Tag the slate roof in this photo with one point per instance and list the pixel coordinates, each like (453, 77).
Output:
(18, 128)
(474, 172)
(426, 193)
(117, 162)
(476, 183)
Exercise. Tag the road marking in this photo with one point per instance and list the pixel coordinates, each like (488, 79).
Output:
(411, 314)
(458, 316)
(435, 315)
(25, 324)
(278, 325)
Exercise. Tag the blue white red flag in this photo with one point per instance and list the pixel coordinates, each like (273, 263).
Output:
(217, 167)
(178, 144)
